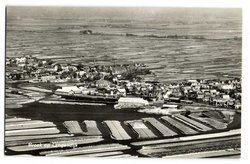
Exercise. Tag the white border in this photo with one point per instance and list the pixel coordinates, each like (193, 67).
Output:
(149, 3)
(133, 3)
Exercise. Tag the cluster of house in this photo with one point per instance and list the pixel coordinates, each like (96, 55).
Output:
(220, 93)
(122, 80)
(45, 70)
(28, 68)
(225, 94)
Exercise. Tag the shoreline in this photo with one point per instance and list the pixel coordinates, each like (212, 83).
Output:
(69, 103)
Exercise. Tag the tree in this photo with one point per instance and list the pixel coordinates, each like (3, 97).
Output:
(59, 68)
(83, 79)
(16, 77)
(64, 75)
(187, 113)
(49, 61)
(79, 66)
(40, 64)
(74, 74)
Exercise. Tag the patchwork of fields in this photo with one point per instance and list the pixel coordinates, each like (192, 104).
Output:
(216, 54)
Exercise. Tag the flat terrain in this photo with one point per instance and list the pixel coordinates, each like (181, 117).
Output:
(174, 45)
(45, 130)
(216, 53)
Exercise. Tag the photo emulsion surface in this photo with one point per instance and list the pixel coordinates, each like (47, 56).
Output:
(123, 82)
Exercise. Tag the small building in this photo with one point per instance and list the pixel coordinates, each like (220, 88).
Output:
(103, 83)
(118, 70)
(47, 78)
(131, 102)
(192, 81)
(200, 96)
(70, 90)
(205, 90)
(237, 106)
(220, 102)
(166, 96)
(204, 86)
(226, 97)
(21, 64)
(20, 60)
(206, 99)
(170, 106)
(81, 73)
(227, 87)
(122, 91)
(213, 91)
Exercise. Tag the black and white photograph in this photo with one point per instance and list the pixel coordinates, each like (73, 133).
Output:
(123, 82)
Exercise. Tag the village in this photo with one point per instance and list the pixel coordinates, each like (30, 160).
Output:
(56, 109)
(119, 81)
(123, 82)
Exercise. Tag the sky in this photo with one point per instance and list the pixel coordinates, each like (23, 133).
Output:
(78, 12)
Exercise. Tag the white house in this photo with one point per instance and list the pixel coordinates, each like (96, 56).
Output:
(226, 97)
(131, 102)
(21, 60)
(69, 89)
(227, 86)
(122, 91)
(48, 78)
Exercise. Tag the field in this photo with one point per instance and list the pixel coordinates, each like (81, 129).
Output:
(175, 44)
(63, 124)
(205, 46)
